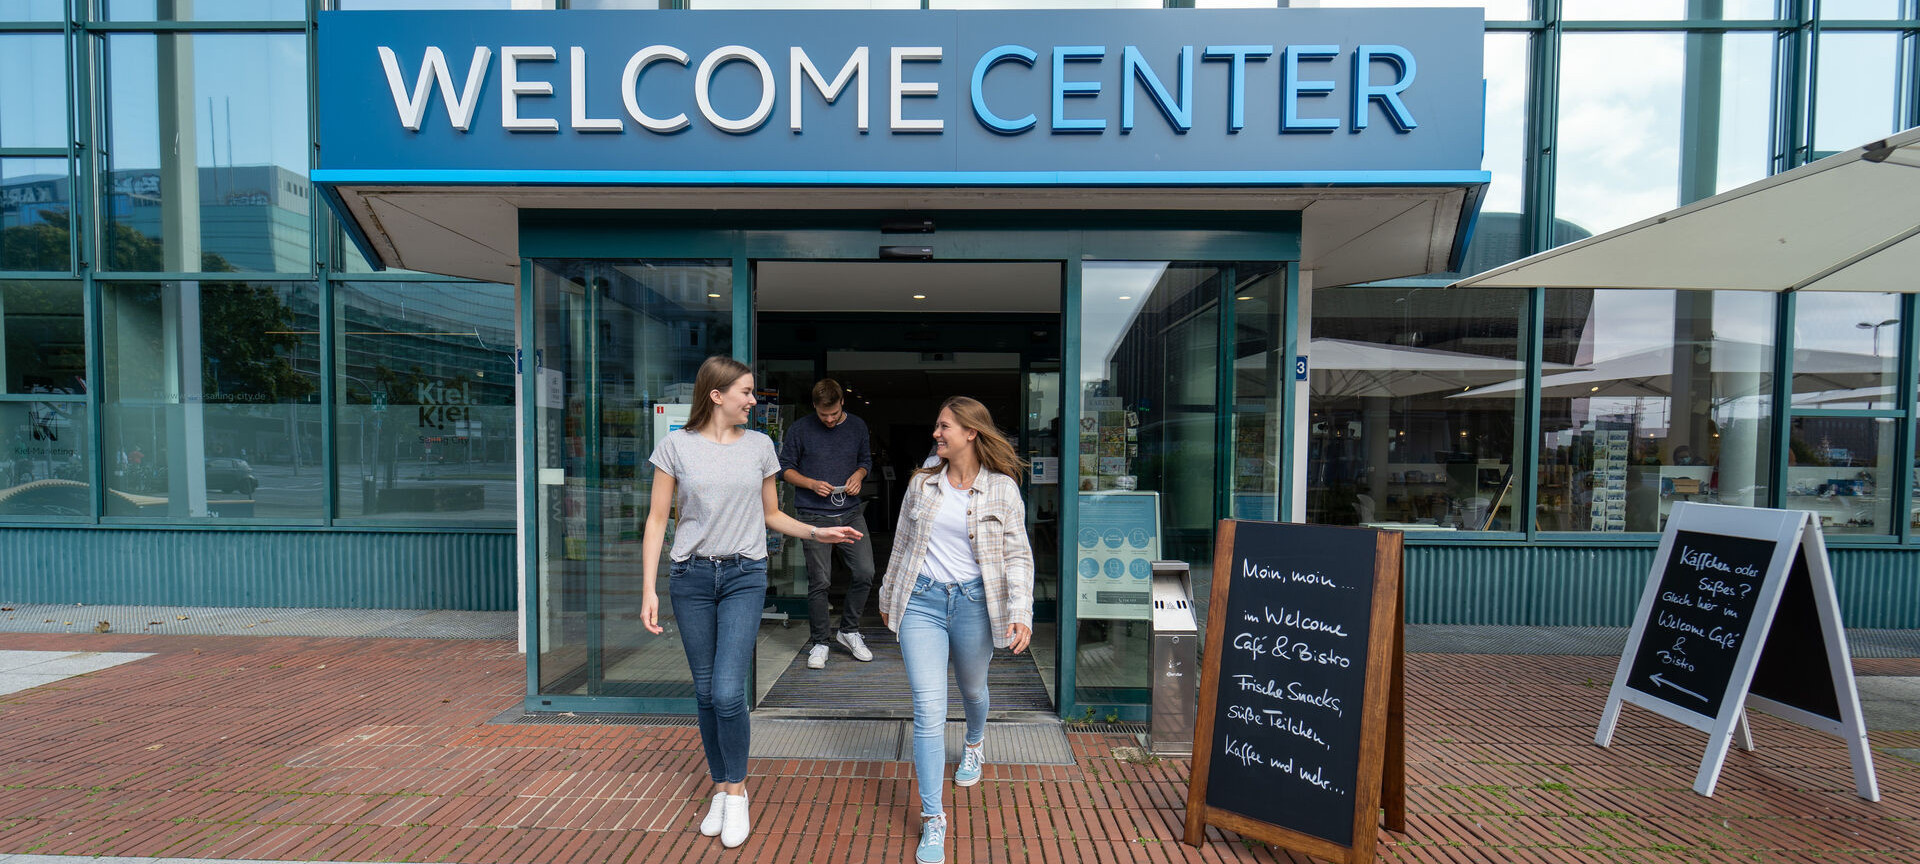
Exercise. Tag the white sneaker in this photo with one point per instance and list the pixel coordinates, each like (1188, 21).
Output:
(817, 658)
(857, 644)
(738, 824)
(710, 826)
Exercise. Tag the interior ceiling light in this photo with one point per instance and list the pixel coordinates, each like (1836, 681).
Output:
(1244, 297)
(919, 296)
(714, 296)
(1126, 297)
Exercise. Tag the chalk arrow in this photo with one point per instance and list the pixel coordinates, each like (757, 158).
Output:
(1655, 678)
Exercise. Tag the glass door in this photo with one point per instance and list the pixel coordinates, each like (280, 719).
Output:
(616, 344)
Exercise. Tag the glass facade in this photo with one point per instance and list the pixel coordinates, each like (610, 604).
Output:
(185, 338)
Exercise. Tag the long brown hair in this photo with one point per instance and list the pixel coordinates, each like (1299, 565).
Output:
(717, 373)
(995, 451)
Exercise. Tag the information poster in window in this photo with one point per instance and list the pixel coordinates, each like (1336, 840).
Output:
(1119, 540)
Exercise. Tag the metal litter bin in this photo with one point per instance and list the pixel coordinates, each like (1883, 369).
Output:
(1176, 641)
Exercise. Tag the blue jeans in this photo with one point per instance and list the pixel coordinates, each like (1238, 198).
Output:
(717, 605)
(943, 620)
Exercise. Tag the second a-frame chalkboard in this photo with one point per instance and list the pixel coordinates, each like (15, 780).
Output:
(1739, 610)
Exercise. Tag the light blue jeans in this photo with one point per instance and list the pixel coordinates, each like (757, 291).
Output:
(943, 621)
(717, 605)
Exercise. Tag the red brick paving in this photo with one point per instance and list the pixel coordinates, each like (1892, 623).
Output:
(364, 750)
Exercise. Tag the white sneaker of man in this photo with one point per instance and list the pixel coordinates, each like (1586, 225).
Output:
(855, 643)
(817, 658)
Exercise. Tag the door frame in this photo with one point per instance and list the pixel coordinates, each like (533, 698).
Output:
(1068, 237)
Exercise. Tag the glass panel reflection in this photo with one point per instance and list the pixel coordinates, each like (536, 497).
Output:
(45, 471)
(35, 215)
(1858, 80)
(425, 395)
(205, 10)
(210, 404)
(228, 191)
(33, 90)
(33, 10)
(43, 345)
(1841, 469)
(1846, 350)
(1496, 10)
(1649, 398)
(1415, 408)
(616, 345)
(1150, 336)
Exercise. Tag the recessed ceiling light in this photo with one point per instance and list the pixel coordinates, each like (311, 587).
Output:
(1126, 297)
(714, 296)
(1244, 297)
(1596, 389)
(919, 296)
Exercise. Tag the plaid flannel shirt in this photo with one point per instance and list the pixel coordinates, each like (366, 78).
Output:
(997, 527)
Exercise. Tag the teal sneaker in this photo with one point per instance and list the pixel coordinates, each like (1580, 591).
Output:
(933, 840)
(971, 761)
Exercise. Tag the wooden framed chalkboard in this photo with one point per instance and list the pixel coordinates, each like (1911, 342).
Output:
(1739, 610)
(1300, 738)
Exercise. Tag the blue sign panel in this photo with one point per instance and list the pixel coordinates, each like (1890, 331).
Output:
(1208, 97)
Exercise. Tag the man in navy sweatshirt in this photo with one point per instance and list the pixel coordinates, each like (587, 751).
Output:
(826, 457)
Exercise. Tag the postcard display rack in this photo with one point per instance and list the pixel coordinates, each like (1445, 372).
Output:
(1611, 446)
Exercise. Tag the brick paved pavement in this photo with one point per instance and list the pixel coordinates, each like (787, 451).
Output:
(378, 749)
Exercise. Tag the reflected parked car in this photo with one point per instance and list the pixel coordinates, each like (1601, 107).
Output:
(231, 475)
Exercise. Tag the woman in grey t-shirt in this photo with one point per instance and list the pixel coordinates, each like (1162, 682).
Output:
(721, 478)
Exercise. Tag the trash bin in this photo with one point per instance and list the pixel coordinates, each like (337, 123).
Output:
(1176, 640)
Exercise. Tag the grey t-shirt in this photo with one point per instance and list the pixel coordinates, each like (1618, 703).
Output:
(717, 488)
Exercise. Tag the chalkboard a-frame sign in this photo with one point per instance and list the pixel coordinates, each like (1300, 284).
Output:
(1740, 610)
(1300, 739)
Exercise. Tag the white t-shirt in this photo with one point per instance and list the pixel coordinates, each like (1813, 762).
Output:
(949, 549)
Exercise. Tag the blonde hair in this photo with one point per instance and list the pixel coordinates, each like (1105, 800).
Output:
(995, 451)
(717, 373)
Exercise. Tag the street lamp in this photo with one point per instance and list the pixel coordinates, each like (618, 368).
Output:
(1876, 331)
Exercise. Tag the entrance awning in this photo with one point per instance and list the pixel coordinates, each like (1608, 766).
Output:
(1849, 222)
(1349, 233)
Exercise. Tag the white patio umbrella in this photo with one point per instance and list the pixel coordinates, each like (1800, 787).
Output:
(1849, 222)
(1650, 373)
(1346, 367)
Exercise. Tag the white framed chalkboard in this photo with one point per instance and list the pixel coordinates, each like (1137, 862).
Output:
(1300, 739)
(1739, 610)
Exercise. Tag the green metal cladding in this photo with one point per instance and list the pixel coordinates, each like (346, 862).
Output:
(1599, 586)
(330, 569)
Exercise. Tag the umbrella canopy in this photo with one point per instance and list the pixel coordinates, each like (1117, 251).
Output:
(1849, 222)
(1346, 367)
(1650, 372)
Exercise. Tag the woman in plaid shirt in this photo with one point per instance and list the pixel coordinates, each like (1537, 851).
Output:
(959, 585)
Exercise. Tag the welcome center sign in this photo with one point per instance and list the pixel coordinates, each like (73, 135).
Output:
(1162, 97)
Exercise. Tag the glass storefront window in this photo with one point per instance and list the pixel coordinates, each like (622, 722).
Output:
(1149, 373)
(1414, 408)
(1841, 469)
(43, 347)
(1496, 10)
(228, 190)
(779, 4)
(463, 4)
(1857, 90)
(1652, 397)
(1665, 10)
(211, 400)
(45, 470)
(616, 345)
(33, 10)
(1500, 233)
(1846, 350)
(204, 10)
(424, 428)
(35, 215)
(1859, 10)
(33, 90)
(1044, 4)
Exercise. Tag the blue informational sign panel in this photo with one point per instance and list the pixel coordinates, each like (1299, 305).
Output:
(1118, 542)
(1160, 97)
